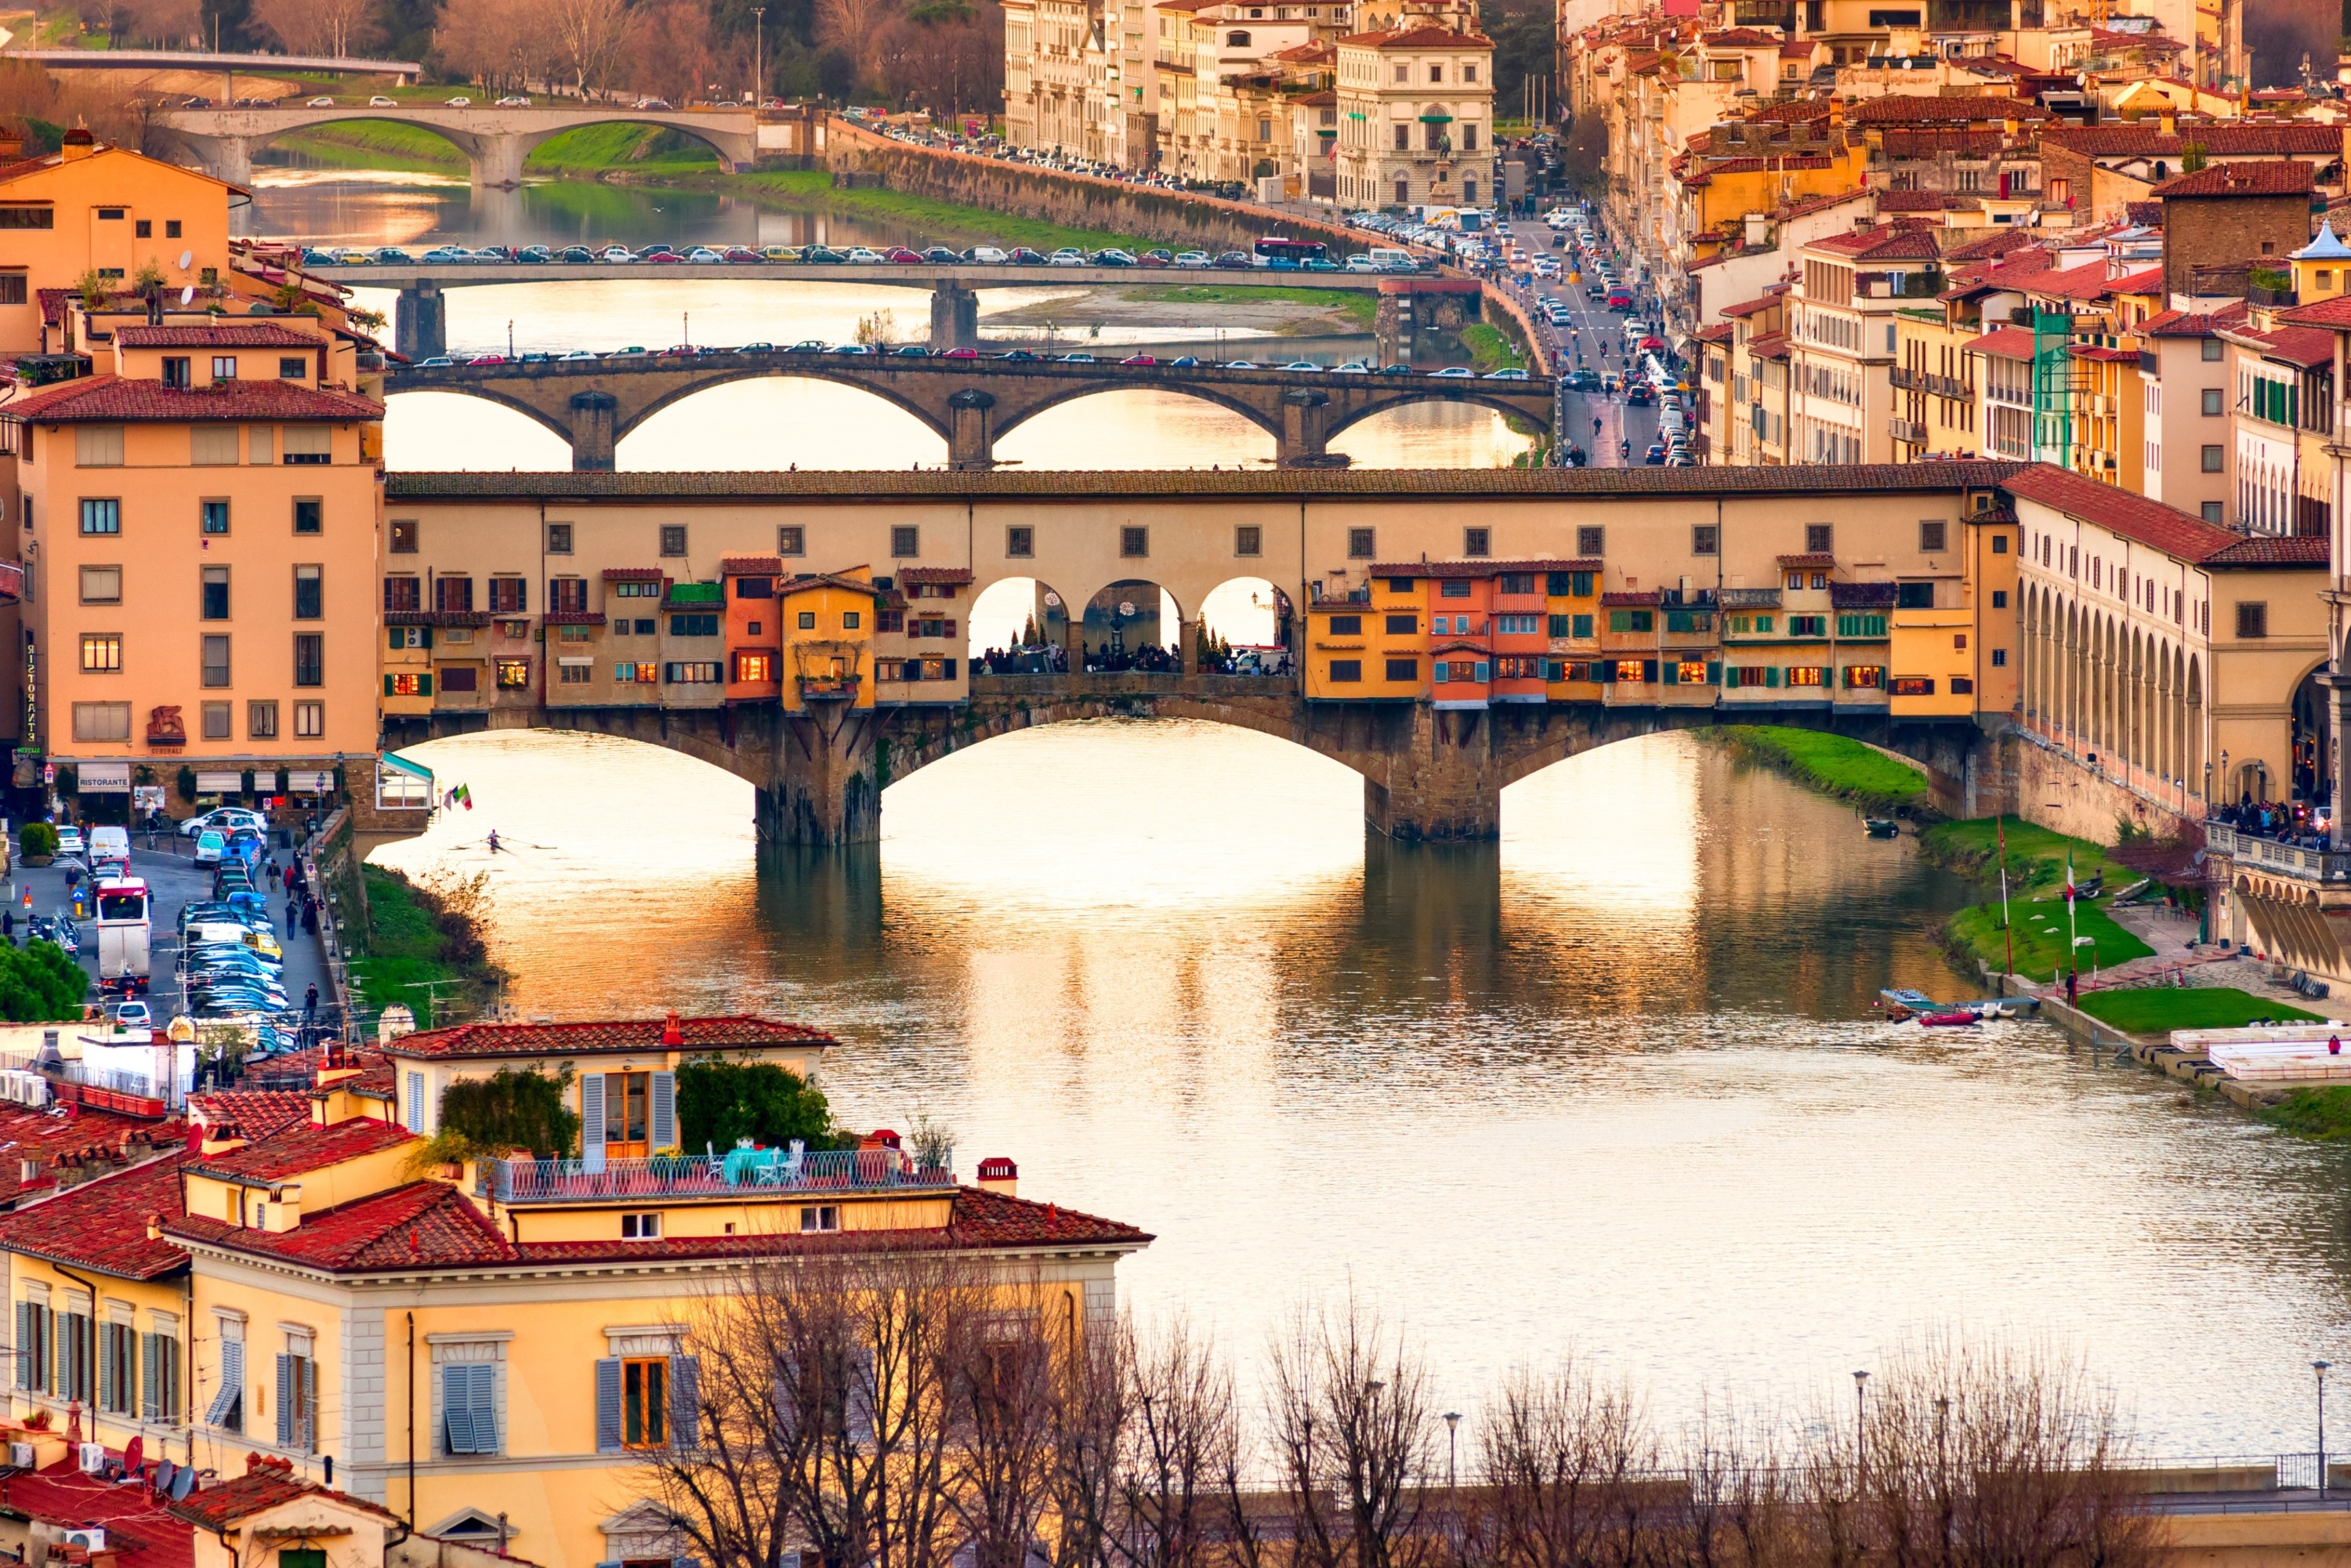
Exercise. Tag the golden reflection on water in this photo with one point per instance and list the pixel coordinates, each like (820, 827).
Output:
(1612, 1083)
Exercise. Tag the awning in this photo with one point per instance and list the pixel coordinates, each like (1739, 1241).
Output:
(105, 777)
(310, 781)
(214, 781)
(402, 765)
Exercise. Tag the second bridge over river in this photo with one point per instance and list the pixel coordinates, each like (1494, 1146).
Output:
(969, 403)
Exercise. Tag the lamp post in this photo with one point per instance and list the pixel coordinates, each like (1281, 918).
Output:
(758, 58)
(2320, 1368)
(1860, 1437)
(1452, 1503)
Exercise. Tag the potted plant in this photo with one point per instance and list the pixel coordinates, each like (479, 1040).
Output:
(38, 841)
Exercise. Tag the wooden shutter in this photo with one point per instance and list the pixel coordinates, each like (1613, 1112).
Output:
(662, 1112)
(150, 1408)
(684, 1400)
(458, 1433)
(481, 1395)
(415, 1123)
(307, 1436)
(224, 1401)
(608, 1386)
(25, 1344)
(106, 1367)
(591, 1125)
(285, 1401)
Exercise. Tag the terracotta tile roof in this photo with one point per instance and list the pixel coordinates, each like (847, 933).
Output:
(1820, 559)
(422, 1225)
(2305, 348)
(602, 1037)
(2335, 312)
(1896, 107)
(1769, 346)
(1746, 308)
(751, 566)
(2090, 281)
(140, 1530)
(573, 618)
(266, 1483)
(947, 574)
(1471, 569)
(256, 1113)
(306, 1147)
(2147, 139)
(1418, 38)
(436, 617)
(2008, 342)
(2283, 177)
(103, 1225)
(121, 399)
(74, 1138)
(1920, 141)
(2180, 534)
(1717, 333)
(2104, 355)
(1793, 111)
(632, 574)
(1881, 245)
(1740, 38)
(53, 305)
(2263, 550)
(238, 335)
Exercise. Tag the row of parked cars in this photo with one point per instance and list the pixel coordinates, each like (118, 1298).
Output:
(917, 351)
(820, 255)
(231, 965)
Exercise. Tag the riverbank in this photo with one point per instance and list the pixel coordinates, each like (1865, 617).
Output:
(2034, 925)
(1830, 764)
(425, 947)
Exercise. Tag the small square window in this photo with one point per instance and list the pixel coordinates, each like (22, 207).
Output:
(171, 228)
(1132, 542)
(807, 620)
(293, 368)
(1476, 543)
(2000, 544)
(224, 367)
(310, 515)
(1591, 541)
(641, 1226)
(1931, 534)
(261, 721)
(2212, 402)
(214, 515)
(1360, 546)
(2215, 460)
(310, 720)
(2212, 350)
(1706, 538)
(144, 228)
(791, 540)
(102, 585)
(2211, 510)
(672, 539)
(217, 721)
(1819, 538)
(906, 542)
(403, 535)
(1019, 543)
(1248, 540)
(559, 539)
(850, 620)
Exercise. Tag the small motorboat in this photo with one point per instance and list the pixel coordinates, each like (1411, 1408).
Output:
(1881, 827)
(1948, 1021)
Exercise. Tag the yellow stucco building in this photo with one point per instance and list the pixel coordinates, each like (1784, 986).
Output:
(503, 1340)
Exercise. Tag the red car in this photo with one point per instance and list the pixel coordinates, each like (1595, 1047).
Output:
(743, 253)
(665, 256)
(1138, 360)
(960, 354)
(488, 359)
(901, 255)
(683, 349)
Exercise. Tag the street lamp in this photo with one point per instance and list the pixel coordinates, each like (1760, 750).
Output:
(758, 57)
(1860, 1383)
(1452, 1432)
(2320, 1368)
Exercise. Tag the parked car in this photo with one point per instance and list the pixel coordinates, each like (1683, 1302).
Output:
(224, 819)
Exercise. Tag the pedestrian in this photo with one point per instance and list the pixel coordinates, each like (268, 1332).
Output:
(273, 875)
(2334, 1045)
(309, 1004)
(291, 910)
(2072, 987)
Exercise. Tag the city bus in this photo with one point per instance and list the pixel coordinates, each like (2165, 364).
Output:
(1288, 254)
(123, 930)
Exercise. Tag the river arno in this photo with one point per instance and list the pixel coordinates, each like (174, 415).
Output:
(1610, 1085)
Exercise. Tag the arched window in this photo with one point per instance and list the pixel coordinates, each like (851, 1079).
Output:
(1237, 40)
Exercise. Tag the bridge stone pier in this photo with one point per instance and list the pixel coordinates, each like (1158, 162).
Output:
(954, 316)
(971, 404)
(420, 322)
(1429, 776)
(494, 140)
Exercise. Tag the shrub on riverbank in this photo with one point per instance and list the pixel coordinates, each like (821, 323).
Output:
(2320, 1113)
(426, 946)
(1831, 764)
(2159, 1010)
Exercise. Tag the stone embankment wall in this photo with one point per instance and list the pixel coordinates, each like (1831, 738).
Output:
(1075, 201)
(2056, 793)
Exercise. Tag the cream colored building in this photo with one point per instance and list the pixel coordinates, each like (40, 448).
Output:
(1842, 339)
(1416, 117)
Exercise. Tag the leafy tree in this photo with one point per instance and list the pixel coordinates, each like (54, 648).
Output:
(38, 984)
(2191, 158)
(720, 1101)
(1586, 156)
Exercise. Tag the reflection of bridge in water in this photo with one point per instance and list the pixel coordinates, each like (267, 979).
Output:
(968, 404)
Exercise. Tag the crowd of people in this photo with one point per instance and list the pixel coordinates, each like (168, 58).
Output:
(2297, 824)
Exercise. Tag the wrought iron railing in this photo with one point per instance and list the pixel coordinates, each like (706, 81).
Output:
(696, 1175)
(2285, 859)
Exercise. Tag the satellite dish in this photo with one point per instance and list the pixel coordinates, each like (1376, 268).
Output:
(186, 256)
(133, 1452)
(165, 1471)
(183, 1484)
(187, 293)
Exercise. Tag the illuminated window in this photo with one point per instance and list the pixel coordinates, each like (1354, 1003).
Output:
(1807, 676)
(101, 652)
(644, 1403)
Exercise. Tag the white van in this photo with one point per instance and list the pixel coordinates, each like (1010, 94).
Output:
(1391, 258)
(109, 843)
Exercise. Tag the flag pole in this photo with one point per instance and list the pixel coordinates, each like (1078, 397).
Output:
(2073, 937)
(1999, 828)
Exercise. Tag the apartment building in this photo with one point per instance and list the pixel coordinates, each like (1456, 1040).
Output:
(2283, 418)
(502, 1347)
(1416, 117)
(1843, 339)
(1228, 74)
(2187, 396)
(199, 522)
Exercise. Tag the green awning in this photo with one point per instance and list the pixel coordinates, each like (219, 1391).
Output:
(1437, 119)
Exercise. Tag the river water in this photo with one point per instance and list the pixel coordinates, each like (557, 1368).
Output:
(769, 423)
(1611, 1084)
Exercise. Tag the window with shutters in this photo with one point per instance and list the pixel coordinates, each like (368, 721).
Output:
(226, 1410)
(413, 1104)
(644, 1403)
(159, 1372)
(469, 1418)
(32, 1358)
(75, 1352)
(2252, 618)
(297, 1396)
(118, 1364)
(627, 1115)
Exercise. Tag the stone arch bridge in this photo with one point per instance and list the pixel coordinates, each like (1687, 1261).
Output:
(968, 404)
(1429, 775)
(494, 140)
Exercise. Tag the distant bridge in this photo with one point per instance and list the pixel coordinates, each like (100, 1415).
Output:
(420, 326)
(199, 60)
(495, 140)
(968, 404)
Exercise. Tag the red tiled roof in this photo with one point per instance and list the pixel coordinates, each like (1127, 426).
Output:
(751, 566)
(140, 1529)
(1618, 601)
(2335, 312)
(307, 1147)
(1882, 245)
(1740, 38)
(256, 1113)
(2283, 177)
(1820, 558)
(954, 574)
(2088, 281)
(2147, 139)
(1717, 333)
(239, 335)
(2008, 342)
(2177, 534)
(1471, 569)
(2265, 551)
(53, 305)
(601, 1037)
(103, 1225)
(1746, 308)
(1916, 141)
(573, 618)
(74, 1138)
(266, 1483)
(1769, 346)
(430, 1225)
(2303, 347)
(118, 398)
(632, 574)
(1896, 108)
(2108, 356)
(1418, 38)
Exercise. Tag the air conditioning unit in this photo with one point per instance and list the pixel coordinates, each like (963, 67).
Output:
(20, 1454)
(93, 1458)
(94, 1539)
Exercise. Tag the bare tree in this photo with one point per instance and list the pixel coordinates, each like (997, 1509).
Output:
(855, 29)
(1563, 1460)
(337, 27)
(1001, 1464)
(502, 43)
(1181, 1426)
(169, 22)
(591, 39)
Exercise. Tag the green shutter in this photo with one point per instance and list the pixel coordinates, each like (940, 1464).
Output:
(424, 685)
(428, 636)
(1582, 626)
(387, 686)
(1714, 672)
(1649, 670)
(392, 637)
(1672, 672)
(1771, 675)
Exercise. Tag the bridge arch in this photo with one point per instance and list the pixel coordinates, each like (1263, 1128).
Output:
(496, 141)
(1060, 396)
(799, 366)
(1409, 397)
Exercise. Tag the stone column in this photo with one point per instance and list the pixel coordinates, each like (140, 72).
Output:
(954, 316)
(498, 160)
(1305, 419)
(1440, 778)
(970, 443)
(2337, 686)
(824, 790)
(420, 326)
(1392, 330)
(593, 443)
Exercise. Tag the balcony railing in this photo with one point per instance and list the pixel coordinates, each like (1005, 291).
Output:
(833, 686)
(2274, 855)
(753, 1171)
(1909, 430)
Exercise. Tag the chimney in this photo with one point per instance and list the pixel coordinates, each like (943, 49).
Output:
(78, 143)
(1000, 1175)
(283, 1212)
(28, 1172)
(1758, 230)
(2167, 118)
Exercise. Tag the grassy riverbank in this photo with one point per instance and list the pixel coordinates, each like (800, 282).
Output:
(1490, 348)
(2324, 1115)
(1831, 764)
(592, 151)
(2036, 873)
(2159, 1010)
(424, 947)
(1359, 309)
(942, 221)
